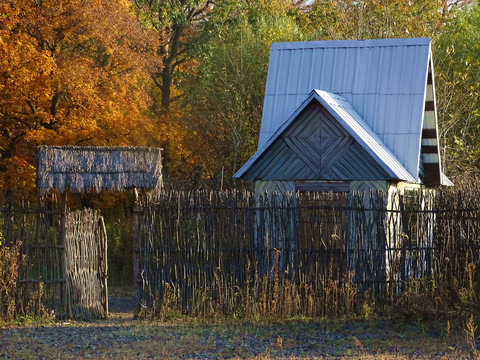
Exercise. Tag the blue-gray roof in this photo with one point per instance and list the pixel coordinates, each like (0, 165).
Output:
(352, 122)
(383, 80)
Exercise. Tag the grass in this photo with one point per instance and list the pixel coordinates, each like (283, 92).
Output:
(121, 337)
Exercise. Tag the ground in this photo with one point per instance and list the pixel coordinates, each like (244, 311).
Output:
(122, 337)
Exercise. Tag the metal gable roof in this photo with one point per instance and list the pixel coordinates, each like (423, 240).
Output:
(383, 80)
(346, 115)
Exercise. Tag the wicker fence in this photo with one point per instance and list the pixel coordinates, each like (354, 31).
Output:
(39, 279)
(235, 253)
(55, 275)
(223, 251)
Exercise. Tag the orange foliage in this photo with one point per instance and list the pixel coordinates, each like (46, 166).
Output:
(71, 72)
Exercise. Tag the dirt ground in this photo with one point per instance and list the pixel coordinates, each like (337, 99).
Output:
(122, 337)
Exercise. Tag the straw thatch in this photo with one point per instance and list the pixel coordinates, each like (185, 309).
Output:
(80, 168)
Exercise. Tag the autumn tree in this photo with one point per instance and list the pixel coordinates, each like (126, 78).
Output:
(74, 73)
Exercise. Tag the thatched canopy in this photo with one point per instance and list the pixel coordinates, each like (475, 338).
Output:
(81, 169)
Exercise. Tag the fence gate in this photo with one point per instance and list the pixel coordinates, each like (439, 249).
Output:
(85, 259)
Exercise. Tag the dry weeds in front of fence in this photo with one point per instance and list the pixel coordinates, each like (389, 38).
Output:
(9, 262)
(260, 298)
(17, 301)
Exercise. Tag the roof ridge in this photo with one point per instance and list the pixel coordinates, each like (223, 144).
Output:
(351, 43)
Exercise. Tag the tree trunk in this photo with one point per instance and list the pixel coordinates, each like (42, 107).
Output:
(165, 88)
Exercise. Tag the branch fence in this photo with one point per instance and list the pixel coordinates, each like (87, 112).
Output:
(317, 254)
(234, 253)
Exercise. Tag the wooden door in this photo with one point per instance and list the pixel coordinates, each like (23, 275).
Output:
(86, 265)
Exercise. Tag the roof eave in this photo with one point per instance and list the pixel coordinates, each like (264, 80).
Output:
(241, 172)
(445, 181)
(402, 175)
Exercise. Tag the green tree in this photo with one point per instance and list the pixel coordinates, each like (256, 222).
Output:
(457, 66)
(175, 22)
(225, 95)
(370, 19)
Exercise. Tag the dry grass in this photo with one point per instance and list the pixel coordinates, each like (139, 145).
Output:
(268, 297)
(121, 337)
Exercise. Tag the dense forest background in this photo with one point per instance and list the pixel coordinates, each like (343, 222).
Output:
(189, 75)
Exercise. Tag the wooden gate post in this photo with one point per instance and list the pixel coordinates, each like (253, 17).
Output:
(64, 287)
(104, 262)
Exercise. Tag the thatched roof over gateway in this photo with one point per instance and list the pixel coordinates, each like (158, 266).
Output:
(80, 169)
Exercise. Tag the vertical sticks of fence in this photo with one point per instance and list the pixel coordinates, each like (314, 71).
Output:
(137, 214)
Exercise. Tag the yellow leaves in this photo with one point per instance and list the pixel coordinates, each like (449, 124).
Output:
(8, 17)
(19, 175)
(70, 75)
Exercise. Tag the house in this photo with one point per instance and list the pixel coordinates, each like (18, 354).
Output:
(354, 115)
(348, 115)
